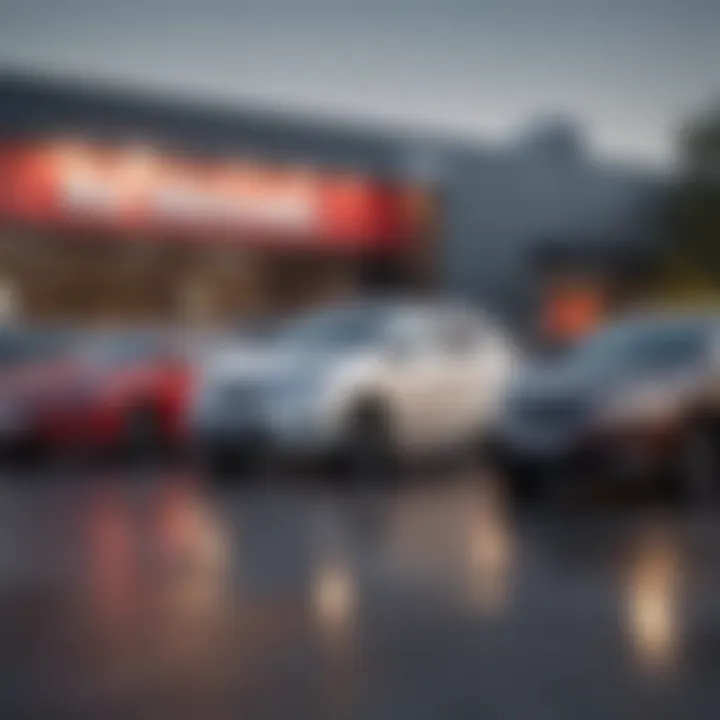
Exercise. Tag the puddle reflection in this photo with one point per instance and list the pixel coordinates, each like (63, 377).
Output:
(334, 597)
(652, 610)
(111, 563)
(491, 550)
(158, 570)
(458, 537)
(198, 589)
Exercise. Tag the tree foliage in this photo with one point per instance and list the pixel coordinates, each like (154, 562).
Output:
(692, 259)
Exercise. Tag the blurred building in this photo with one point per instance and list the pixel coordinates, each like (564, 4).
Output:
(122, 205)
(580, 280)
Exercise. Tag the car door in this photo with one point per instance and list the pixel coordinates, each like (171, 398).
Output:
(416, 379)
(476, 365)
(458, 342)
(711, 379)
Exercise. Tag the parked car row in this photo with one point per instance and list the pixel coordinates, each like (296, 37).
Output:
(367, 383)
(373, 384)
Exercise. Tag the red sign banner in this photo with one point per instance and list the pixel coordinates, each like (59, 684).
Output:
(138, 189)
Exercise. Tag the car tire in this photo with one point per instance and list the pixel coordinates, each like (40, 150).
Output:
(369, 452)
(220, 464)
(224, 464)
(695, 465)
(143, 436)
(529, 483)
(525, 486)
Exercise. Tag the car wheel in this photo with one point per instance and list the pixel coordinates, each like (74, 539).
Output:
(370, 453)
(220, 464)
(695, 468)
(143, 433)
(531, 483)
(223, 463)
(524, 485)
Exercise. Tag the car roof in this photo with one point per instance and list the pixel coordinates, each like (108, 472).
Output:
(669, 320)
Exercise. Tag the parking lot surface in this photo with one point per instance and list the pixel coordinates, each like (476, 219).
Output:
(163, 595)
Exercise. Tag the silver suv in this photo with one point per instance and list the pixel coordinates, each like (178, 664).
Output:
(639, 400)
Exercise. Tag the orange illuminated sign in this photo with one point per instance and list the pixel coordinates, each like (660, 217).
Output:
(572, 310)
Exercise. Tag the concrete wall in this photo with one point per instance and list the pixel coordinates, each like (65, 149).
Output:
(501, 205)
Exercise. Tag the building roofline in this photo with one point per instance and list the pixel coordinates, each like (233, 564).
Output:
(123, 97)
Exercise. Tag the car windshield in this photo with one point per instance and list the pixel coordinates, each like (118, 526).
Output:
(27, 346)
(120, 349)
(337, 328)
(643, 347)
(257, 328)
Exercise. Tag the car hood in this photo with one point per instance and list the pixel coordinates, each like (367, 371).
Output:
(548, 391)
(267, 366)
(549, 380)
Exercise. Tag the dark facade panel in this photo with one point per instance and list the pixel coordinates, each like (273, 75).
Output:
(34, 106)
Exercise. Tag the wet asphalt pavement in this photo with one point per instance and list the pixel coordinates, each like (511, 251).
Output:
(165, 596)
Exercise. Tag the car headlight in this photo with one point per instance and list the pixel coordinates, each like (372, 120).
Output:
(651, 403)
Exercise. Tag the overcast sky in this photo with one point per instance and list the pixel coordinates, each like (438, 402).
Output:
(629, 70)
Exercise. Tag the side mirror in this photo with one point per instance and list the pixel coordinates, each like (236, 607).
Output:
(714, 353)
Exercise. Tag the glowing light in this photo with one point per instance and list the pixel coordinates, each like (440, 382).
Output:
(652, 613)
(334, 597)
(490, 549)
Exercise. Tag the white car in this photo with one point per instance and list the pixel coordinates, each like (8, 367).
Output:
(364, 381)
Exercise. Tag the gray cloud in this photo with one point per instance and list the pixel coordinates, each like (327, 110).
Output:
(629, 69)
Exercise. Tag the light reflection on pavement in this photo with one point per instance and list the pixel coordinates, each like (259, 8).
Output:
(167, 596)
(653, 599)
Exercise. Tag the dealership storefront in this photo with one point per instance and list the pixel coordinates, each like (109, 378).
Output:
(120, 205)
(99, 231)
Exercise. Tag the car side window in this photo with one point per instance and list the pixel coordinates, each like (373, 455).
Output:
(457, 334)
(410, 336)
(681, 349)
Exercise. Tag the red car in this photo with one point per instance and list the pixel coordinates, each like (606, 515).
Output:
(109, 392)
